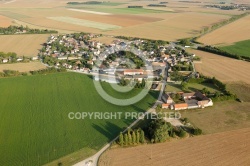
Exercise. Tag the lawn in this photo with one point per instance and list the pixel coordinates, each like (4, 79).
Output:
(35, 128)
(192, 87)
(171, 87)
(197, 87)
(241, 48)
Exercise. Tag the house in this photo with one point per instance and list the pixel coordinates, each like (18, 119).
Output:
(35, 58)
(90, 62)
(187, 95)
(19, 59)
(62, 58)
(165, 105)
(181, 106)
(132, 72)
(167, 99)
(5, 60)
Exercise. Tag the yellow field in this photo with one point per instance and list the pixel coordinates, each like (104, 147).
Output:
(5, 21)
(23, 45)
(227, 148)
(231, 33)
(22, 67)
(223, 68)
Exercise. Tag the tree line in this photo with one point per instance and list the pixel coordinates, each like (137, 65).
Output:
(218, 51)
(21, 29)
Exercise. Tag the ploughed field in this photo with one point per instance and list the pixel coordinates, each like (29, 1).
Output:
(35, 128)
(227, 148)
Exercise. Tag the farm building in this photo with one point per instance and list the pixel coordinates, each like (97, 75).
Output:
(167, 99)
(133, 72)
(181, 106)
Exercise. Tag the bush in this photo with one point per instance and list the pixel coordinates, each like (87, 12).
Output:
(196, 131)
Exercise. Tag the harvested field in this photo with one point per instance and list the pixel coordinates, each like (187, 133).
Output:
(85, 23)
(22, 67)
(88, 11)
(175, 26)
(214, 149)
(231, 33)
(23, 45)
(224, 68)
(5, 21)
(105, 39)
(118, 19)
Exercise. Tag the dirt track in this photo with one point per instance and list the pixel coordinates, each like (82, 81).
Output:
(228, 148)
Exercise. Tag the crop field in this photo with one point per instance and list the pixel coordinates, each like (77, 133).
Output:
(241, 48)
(214, 149)
(43, 132)
(86, 23)
(242, 90)
(5, 21)
(22, 67)
(23, 45)
(229, 34)
(225, 69)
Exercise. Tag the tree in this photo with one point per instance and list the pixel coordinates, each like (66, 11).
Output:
(142, 138)
(126, 139)
(129, 137)
(137, 136)
(133, 137)
(159, 130)
(121, 141)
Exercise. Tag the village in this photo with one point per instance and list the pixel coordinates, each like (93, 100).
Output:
(133, 60)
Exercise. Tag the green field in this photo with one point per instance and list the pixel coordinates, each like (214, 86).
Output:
(35, 128)
(241, 48)
(196, 87)
(191, 87)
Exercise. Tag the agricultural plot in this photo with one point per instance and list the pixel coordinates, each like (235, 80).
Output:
(229, 34)
(241, 48)
(85, 23)
(214, 149)
(223, 68)
(22, 67)
(5, 21)
(23, 45)
(43, 132)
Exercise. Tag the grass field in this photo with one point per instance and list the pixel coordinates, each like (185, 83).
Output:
(223, 68)
(206, 150)
(23, 45)
(241, 48)
(86, 23)
(43, 132)
(23, 67)
(223, 116)
(193, 87)
(229, 34)
(242, 90)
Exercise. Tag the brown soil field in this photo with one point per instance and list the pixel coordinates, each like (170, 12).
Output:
(227, 148)
(175, 26)
(225, 69)
(23, 45)
(231, 33)
(121, 20)
(5, 21)
(22, 67)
